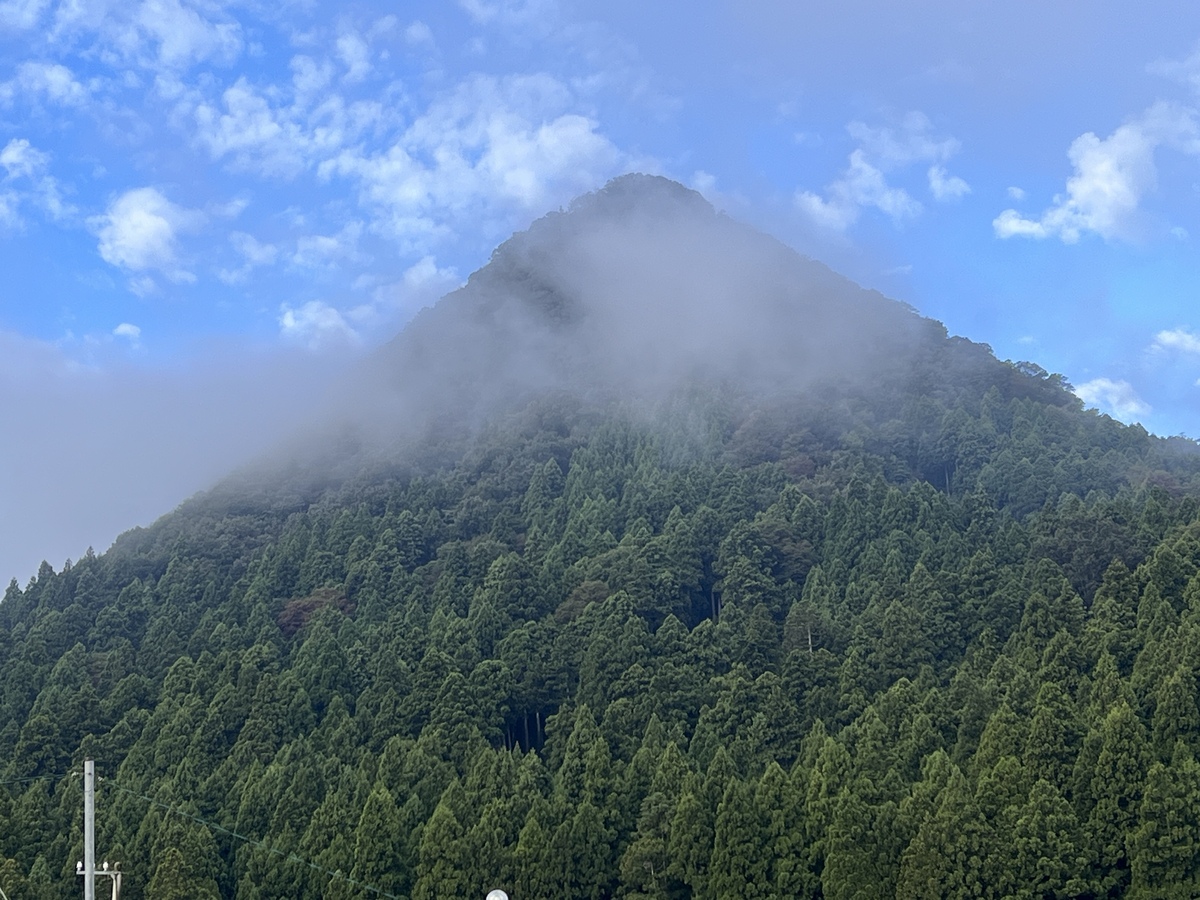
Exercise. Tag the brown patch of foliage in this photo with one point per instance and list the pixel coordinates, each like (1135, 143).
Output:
(297, 611)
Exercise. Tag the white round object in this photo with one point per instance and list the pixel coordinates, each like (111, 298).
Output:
(497, 895)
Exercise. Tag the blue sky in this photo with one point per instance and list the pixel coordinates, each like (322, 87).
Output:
(208, 208)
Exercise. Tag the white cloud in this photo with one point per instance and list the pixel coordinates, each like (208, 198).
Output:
(1185, 71)
(251, 132)
(280, 140)
(310, 79)
(510, 12)
(318, 250)
(864, 184)
(1016, 193)
(184, 37)
(704, 182)
(53, 81)
(10, 211)
(354, 53)
(315, 325)
(21, 160)
(129, 332)
(165, 37)
(490, 146)
(1115, 397)
(229, 209)
(143, 286)
(21, 15)
(425, 275)
(253, 252)
(1177, 339)
(912, 142)
(418, 33)
(383, 26)
(421, 285)
(26, 164)
(139, 232)
(861, 185)
(1111, 177)
(945, 186)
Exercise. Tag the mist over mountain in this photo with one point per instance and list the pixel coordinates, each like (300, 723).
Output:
(635, 291)
(639, 292)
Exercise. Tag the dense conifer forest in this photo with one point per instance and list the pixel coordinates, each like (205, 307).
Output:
(934, 634)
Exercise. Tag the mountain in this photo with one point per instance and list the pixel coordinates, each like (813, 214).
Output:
(656, 561)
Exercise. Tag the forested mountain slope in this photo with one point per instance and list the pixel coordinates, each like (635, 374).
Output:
(574, 611)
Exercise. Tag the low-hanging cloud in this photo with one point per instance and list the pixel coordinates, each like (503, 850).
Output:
(108, 446)
(639, 291)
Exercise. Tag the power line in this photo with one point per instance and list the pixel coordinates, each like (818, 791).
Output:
(289, 857)
(58, 777)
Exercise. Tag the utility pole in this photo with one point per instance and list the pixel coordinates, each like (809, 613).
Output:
(89, 829)
(87, 868)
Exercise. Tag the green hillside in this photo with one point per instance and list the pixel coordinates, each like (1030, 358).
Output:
(583, 609)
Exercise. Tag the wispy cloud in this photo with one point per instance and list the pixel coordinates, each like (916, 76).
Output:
(21, 160)
(253, 254)
(355, 54)
(318, 250)
(864, 184)
(42, 80)
(1179, 339)
(27, 180)
(164, 36)
(21, 15)
(1185, 71)
(946, 187)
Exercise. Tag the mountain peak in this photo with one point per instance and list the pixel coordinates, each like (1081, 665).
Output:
(640, 289)
(637, 192)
